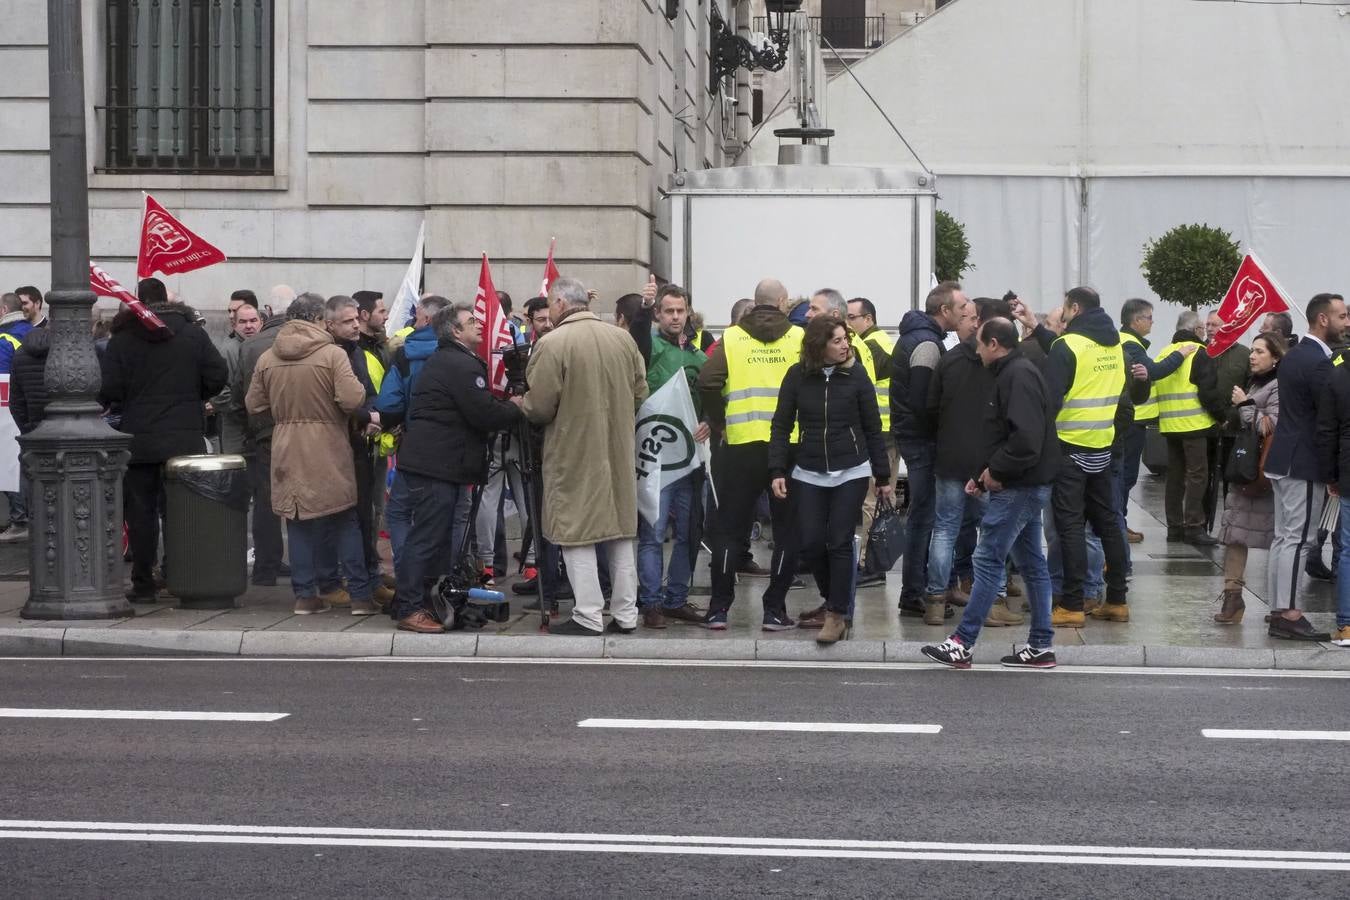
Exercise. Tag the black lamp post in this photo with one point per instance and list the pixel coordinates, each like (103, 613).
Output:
(73, 462)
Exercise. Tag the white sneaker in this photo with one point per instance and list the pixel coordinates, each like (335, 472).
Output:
(13, 534)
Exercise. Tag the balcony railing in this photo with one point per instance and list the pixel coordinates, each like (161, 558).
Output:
(844, 32)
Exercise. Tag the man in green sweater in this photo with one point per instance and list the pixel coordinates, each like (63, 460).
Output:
(669, 351)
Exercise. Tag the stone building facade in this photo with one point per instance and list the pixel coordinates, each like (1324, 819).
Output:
(502, 124)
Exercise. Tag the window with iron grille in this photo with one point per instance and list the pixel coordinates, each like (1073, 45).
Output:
(189, 86)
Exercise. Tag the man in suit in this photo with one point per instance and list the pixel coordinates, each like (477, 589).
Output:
(1292, 463)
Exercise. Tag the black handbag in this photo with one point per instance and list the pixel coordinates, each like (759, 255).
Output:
(1244, 460)
(885, 539)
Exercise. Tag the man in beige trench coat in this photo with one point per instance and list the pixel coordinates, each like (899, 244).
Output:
(587, 381)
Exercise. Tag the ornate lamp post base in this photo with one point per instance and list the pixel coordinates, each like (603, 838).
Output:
(74, 463)
(75, 522)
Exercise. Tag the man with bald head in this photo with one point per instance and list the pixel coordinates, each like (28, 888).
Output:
(770, 292)
(739, 386)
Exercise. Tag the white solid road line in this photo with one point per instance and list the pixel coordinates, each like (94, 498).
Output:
(141, 715)
(1172, 857)
(1257, 734)
(719, 725)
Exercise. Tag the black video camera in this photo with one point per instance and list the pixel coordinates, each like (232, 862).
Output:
(516, 358)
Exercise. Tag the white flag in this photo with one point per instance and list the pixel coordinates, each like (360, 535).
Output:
(9, 445)
(666, 450)
(408, 290)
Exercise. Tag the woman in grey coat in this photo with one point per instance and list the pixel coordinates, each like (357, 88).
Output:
(1249, 521)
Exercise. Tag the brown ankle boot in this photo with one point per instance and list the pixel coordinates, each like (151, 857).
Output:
(1233, 607)
(834, 629)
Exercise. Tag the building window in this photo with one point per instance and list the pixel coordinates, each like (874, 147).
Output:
(189, 86)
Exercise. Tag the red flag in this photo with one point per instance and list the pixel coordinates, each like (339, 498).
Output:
(102, 284)
(1252, 294)
(168, 246)
(487, 309)
(551, 272)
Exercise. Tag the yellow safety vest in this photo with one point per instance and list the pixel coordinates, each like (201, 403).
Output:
(1179, 409)
(1148, 410)
(1088, 416)
(882, 380)
(755, 372)
(375, 368)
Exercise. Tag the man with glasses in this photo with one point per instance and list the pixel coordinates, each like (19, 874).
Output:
(1136, 321)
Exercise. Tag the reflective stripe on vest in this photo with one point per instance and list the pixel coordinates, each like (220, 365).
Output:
(1148, 410)
(1179, 409)
(12, 339)
(755, 372)
(1088, 416)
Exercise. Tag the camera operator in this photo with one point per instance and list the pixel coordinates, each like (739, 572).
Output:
(444, 453)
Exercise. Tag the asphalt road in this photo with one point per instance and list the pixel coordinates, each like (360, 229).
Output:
(465, 780)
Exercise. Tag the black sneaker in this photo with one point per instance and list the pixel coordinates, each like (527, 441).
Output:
(912, 607)
(1030, 658)
(752, 569)
(868, 579)
(615, 628)
(527, 586)
(1299, 629)
(1318, 569)
(778, 621)
(951, 653)
(573, 628)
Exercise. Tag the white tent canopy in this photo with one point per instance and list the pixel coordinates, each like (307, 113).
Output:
(1066, 133)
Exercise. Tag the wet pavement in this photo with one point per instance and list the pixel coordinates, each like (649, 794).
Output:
(1173, 596)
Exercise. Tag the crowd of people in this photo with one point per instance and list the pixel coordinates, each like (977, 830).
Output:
(1018, 438)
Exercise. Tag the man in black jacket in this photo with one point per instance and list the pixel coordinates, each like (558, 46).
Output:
(912, 364)
(1333, 470)
(443, 454)
(1291, 464)
(162, 383)
(960, 384)
(1021, 456)
(268, 548)
(342, 319)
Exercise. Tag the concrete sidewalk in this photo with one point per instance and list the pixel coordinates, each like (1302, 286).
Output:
(1172, 598)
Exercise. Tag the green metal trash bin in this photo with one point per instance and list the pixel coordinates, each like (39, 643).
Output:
(206, 530)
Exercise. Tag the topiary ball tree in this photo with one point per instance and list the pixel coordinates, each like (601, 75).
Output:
(1191, 265)
(951, 252)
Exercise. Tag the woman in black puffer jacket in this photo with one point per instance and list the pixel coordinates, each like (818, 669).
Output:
(833, 403)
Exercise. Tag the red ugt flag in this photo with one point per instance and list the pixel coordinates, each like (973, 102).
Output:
(1253, 293)
(551, 272)
(169, 246)
(102, 284)
(487, 309)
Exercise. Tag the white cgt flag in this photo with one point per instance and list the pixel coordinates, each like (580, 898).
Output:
(666, 449)
(9, 445)
(407, 291)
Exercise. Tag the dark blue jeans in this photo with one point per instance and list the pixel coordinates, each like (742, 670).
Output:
(672, 590)
(918, 457)
(956, 516)
(1131, 455)
(1012, 524)
(439, 519)
(315, 541)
